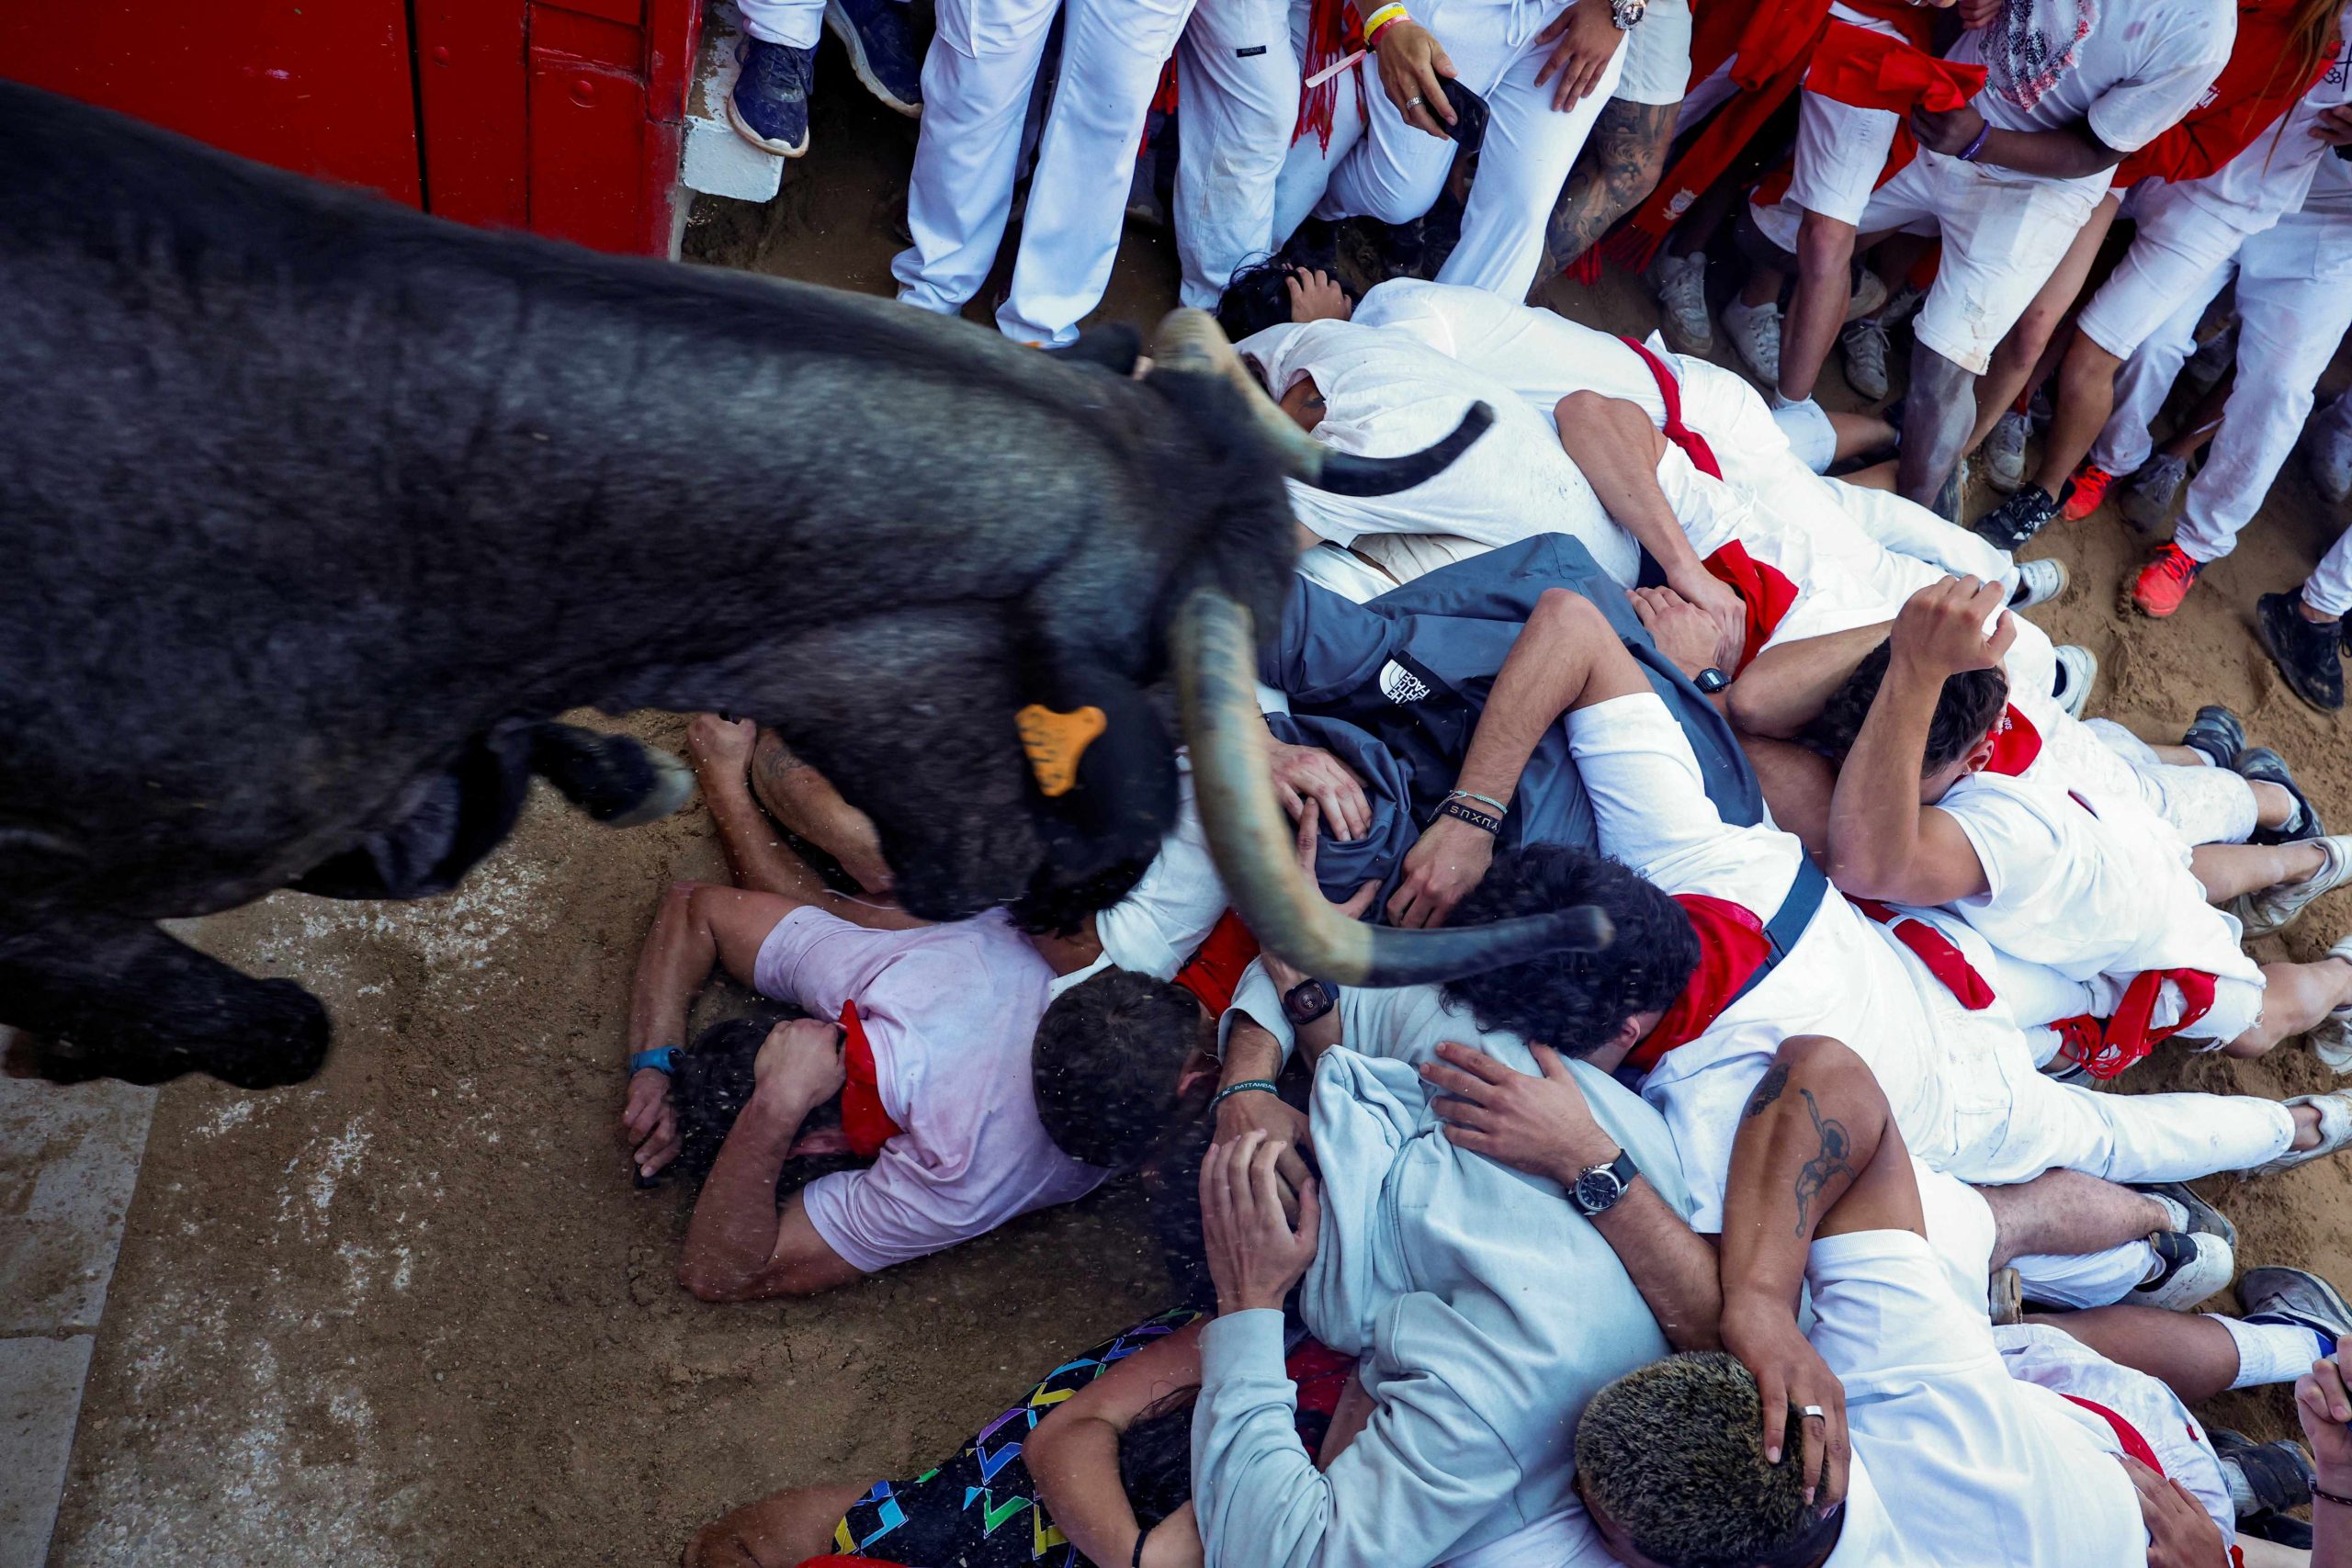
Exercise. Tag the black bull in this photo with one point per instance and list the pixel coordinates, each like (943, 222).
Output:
(314, 511)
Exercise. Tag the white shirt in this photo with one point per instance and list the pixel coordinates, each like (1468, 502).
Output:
(1170, 911)
(2132, 68)
(950, 1012)
(2087, 887)
(1956, 1464)
(2273, 174)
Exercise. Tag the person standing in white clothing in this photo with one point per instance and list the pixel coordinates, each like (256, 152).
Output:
(1625, 153)
(978, 79)
(1237, 96)
(1544, 67)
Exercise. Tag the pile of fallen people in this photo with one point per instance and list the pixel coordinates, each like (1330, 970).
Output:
(1809, 1221)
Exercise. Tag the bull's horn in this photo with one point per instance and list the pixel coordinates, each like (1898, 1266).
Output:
(1190, 341)
(1254, 845)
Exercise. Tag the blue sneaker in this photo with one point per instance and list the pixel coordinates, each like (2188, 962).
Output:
(769, 106)
(882, 49)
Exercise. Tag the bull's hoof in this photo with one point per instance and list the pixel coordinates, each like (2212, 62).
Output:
(614, 779)
(672, 789)
(266, 1035)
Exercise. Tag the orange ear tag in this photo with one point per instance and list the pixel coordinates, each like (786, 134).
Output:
(1055, 742)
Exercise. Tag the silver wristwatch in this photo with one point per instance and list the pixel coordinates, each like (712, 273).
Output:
(1598, 1187)
(1625, 13)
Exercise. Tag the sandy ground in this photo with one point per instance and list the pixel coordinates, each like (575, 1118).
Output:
(413, 1311)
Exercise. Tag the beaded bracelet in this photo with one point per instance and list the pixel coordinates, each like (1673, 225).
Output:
(1382, 19)
(2339, 1502)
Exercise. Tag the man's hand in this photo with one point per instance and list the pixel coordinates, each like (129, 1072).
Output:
(2324, 1404)
(1310, 818)
(1316, 297)
(1725, 609)
(1791, 1375)
(1948, 131)
(1541, 1125)
(650, 1121)
(1940, 630)
(799, 1064)
(1413, 68)
(1445, 863)
(1689, 636)
(2334, 125)
(1305, 774)
(1254, 1256)
(2181, 1534)
(1583, 40)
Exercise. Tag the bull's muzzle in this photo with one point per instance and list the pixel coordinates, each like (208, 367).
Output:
(1191, 343)
(1216, 668)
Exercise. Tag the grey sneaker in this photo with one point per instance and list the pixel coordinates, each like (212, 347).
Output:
(2148, 497)
(2218, 732)
(2335, 1132)
(1681, 284)
(2005, 452)
(2330, 454)
(1755, 337)
(2194, 1214)
(1868, 296)
(2331, 1040)
(2297, 1295)
(2077, 676)
(2264, 1478)
(1865, 345)
(2190, 1266)
(2268, 909)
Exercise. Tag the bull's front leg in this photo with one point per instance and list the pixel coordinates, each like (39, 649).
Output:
(103, 997)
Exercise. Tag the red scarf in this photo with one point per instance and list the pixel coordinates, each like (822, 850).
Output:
(1216, 968)
(2015, 745)
(2105, 1048)
(1938, 951)
(1333, 28)
(864, 1124)
(1872, 70)
(1731, 945)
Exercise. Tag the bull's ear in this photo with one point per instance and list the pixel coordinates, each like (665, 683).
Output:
(1103, 762)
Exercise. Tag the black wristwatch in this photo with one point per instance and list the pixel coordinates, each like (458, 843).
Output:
(1711, 680)
(1308, 1000)
(1598, 1187)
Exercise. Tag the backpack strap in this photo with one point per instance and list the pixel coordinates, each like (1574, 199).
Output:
(1788, 923)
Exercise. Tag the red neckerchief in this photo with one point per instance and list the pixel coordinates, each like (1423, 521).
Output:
(1216, 968)
(1732, 943)
(1872, 70)
(864, 1122)
(1938, 951)
(2015, 744)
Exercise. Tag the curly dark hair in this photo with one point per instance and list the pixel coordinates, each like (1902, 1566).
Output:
(1966, 710)
(1106, 1063)
(1050, 909)
(712, 1084)
(1257, 296)
(1576, 1002)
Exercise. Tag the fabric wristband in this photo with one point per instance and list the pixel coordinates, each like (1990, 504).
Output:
(1471, 815)
(660, 1058)
(1968, 155)
(1245, 1086)
(1380, 18)
(1501, 808)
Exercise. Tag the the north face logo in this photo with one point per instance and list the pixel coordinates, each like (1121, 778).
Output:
(1399, 684)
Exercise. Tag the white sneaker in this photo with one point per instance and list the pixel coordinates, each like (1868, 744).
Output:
(1869, 296)
(1865, 345)
(2331, 1039)
(2077, 674)
(2331, 451)
(2191, 1267)
(2334, 1132)
(2268, 909)
(1755, 337)
(1681, 284)
(2005, 452)
(2039, 581)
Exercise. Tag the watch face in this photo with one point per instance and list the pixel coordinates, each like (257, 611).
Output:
(1598, 1189)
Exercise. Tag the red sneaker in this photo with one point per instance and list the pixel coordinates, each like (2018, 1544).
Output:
(2166, 580)
(2084, 492)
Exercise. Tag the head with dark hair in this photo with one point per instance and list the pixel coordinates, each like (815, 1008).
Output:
(714, 1082)
(1106, 1064)
(1671, 1464)
(1960, 737)
(1062, 909)
(1257, 296)
(1155, 1457)
(1576, 1002)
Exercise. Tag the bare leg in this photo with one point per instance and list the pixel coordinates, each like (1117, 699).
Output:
(2192, 1356)
(2228, 869)
(778, 1530)
(2021, 356)
(1860, 432)
(2086, 398)
(2295, 996)
(1825, 287)
(2196, 429)
(2064, 1213)
(1763, 286)
(1878, 475)
(1936, 414)
(805, 801)
(2256, 1552)
(1622, 158)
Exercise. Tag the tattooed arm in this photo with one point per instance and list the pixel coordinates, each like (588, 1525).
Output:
(1622, 159)
(1817, 1153)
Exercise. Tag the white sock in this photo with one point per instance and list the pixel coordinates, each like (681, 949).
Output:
(2272, 1352)
(2172, 1206)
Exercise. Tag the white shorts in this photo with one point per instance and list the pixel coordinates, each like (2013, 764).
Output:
(1841, 152)
(1658, 56)
(2004, 234)
(2180, 244)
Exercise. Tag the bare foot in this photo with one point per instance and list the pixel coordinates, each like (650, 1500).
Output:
(720, 749)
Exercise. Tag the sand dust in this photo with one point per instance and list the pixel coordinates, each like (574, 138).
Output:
(413, 1311)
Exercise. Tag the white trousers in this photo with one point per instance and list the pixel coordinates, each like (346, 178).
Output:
(2179, 244)
(1962, 1234)
(796, 23)
(1238, 90)
(2099, 757)
(1387, 170)
(976, 81)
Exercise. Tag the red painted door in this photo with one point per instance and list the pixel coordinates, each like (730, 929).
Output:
(322, 86)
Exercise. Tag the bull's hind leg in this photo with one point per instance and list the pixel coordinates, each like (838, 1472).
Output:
(105, 998)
